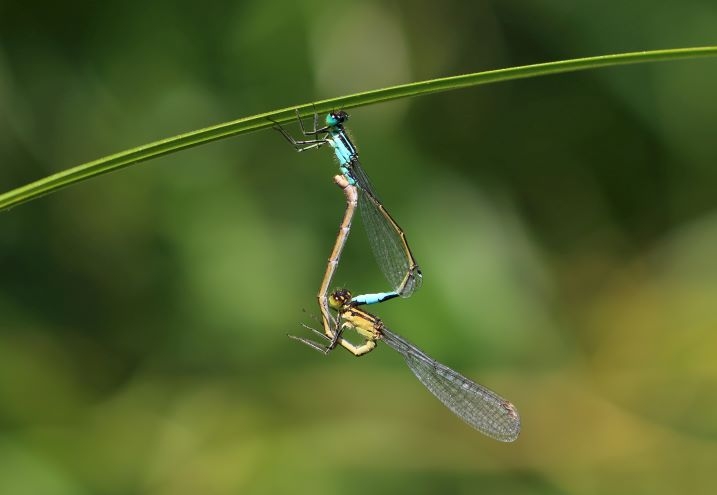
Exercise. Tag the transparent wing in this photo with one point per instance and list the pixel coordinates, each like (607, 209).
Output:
(361, 178)
(387, 240)
(478, 406)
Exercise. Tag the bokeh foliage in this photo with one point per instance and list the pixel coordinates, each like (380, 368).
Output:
(566, 227)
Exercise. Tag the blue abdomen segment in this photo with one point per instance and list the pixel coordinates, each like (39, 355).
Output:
(343, 149)
(373, 298)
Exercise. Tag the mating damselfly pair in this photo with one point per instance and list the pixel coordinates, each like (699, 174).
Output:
(475, 404)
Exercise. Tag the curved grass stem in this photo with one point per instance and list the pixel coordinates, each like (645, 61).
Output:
(106, 164)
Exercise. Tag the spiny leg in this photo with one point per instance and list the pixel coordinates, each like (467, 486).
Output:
(324, 349)
(356, 350)
(299, 145)
(360, 350)
(316, 131)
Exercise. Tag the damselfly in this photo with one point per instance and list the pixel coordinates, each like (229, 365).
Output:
(478, 406)
(388, 241)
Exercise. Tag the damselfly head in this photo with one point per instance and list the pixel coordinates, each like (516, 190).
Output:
(337, 117)
(339, 298)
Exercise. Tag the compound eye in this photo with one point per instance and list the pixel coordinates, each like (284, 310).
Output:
(339, 298)
(336, 118)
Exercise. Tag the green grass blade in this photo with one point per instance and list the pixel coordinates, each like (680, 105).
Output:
(122, 159)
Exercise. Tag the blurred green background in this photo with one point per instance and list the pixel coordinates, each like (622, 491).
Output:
(566, 227)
